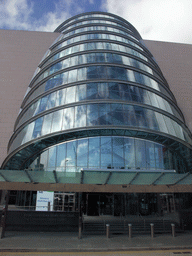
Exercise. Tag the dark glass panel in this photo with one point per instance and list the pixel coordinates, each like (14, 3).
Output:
(140, 116)
(117, 114)
(92, 72)
(100, 57)
(92, 91)
(103, 92)
(104, 114)
(129, 115)
(92, 115)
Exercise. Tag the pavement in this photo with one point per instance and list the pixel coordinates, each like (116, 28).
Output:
(15, 241)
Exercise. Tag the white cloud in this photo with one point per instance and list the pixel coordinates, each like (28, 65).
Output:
(19, 14)
(164, 20)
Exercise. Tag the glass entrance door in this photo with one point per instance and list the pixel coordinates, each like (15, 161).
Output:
(64, 202)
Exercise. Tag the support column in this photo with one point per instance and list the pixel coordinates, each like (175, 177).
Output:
(4, 215)
(80, 216)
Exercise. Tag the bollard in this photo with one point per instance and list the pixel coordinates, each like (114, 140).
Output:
(152, 230)
(107, 230)
(80, 228)
(130, 230)
(173, 229)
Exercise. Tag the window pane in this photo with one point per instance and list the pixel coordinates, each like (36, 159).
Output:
(61, 155)
(129, 149)
(68, 118)
(92, 114)
(94, 152)
(141, 154)
(60, 97)
(71, 154)
(80, 116)
(81, 92)
(57, 121)
(82, 152)
(46, 128)
(159, 156)
(52, 157)
(92, 91)
(118, 156)
(37, 128)
(72, 76)
(70, 94)
(150, 155)
(43, 160)
(106, 152)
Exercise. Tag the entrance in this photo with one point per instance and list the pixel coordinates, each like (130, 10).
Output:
(119, 204)
(99, 204)
(167, 203)
(64, 202)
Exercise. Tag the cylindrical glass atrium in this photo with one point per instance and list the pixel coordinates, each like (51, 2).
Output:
(99, 100)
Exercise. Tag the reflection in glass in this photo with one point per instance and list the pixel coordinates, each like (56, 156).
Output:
(106, 152)
(61, 155)
(118, 154)
(129, 151)
(71, 154)
(82, 152)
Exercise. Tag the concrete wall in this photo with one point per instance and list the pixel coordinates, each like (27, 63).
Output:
(175, 61)
(20, 54)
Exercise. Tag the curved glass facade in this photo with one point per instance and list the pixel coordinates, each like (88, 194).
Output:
(98, 76)
(106, 152)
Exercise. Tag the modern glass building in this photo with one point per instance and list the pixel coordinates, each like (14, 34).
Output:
(99, 101)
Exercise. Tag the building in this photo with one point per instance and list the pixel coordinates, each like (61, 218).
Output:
(99, 103)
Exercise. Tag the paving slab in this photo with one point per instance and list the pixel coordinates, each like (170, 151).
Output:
(69, 242)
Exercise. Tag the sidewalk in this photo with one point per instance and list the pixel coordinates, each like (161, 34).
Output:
(66, 242)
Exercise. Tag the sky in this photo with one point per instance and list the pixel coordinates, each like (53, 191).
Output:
(161, 20)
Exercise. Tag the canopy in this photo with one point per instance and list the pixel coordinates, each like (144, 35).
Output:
(90, 180)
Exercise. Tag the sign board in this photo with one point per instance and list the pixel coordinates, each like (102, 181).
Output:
(43, 200)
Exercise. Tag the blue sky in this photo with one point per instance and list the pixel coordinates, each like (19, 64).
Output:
(162, 20)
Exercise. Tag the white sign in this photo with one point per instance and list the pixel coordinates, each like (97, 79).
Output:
(43, 200)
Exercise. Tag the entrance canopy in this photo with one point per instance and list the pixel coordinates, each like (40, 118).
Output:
(98, 180)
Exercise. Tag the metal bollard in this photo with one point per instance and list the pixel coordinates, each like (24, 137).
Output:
(107, 230)
(130, 230)
(152, 230)
(173, 229)
(80, 228)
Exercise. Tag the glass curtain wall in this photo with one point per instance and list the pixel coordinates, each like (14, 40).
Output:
(98, 76)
